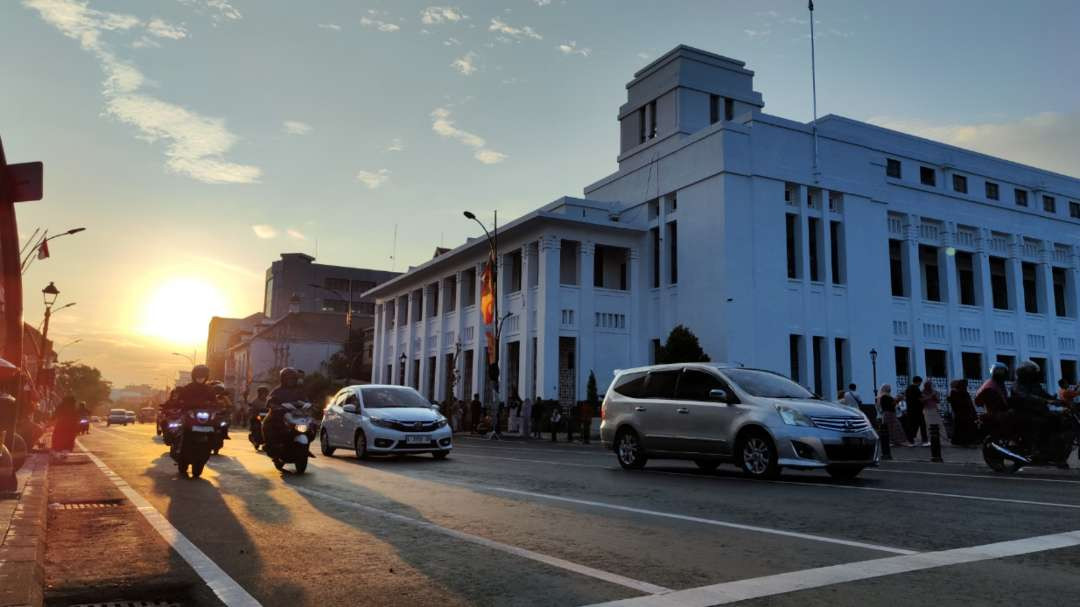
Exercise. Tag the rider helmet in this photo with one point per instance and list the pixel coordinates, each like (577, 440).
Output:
(289, 377)
(219, 388)
(200, 374)
(999, 370)
(1028, 372)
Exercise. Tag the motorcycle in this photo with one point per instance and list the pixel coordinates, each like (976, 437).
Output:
(171, 420)
(1007, 449)
(193, 438)
(84, 425)
(217, 440)
(296, 439)
(255, 433)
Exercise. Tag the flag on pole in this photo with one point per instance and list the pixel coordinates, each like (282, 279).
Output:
(487, 294)
(43, 250)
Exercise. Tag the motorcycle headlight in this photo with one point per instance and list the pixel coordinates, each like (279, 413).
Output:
(223, 424)
(202, 416)
(382, 423)
(793, 417)
(301, 428)
(174, 424)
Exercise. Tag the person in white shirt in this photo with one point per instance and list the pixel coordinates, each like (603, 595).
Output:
(853, 400)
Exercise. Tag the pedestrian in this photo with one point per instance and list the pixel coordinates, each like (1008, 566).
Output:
(914, 417)
(571, 421)
(537, 417)
(965, 430)
(526, 417)
(855, 401)
(931, 402)
(66, 426)
(586, 413)
(456, 414)
(554, 419)
(1066, 393)
(887, 404)
(475, 410)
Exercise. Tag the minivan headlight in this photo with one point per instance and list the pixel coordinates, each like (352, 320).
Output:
(793, 417)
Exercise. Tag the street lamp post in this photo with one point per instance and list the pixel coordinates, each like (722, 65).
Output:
(24, 265)
(494, 370)
(873, 366)
(401, 363)
(49, 295)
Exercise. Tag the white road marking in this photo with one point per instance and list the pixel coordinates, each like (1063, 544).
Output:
(771, 585)
(223, 586)
(987, 477)
(612, 578)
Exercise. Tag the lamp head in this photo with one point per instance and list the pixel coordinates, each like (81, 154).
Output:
(469, 215)
(75, 231)
(873, 354)
(50, 293)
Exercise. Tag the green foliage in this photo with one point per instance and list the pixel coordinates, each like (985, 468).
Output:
(83, 382)
(590, 390)
(682, 346)
(319, 388)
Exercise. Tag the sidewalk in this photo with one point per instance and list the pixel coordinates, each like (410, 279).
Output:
(22, 536)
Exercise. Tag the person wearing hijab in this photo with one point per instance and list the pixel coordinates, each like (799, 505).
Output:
(887, 404)
(66, 419)
(965, 428)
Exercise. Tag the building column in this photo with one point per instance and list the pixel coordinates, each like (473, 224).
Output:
(459, 337)
(410, 344)
(639, 289)
(952, 300)
(440, 351)
(421, 382)
(915, 292)
(377, 345)
(586, 335)
(528, 305)
(1016, 285)
(1046, 273)
(479, 339)
(547, 320)
(985, 297)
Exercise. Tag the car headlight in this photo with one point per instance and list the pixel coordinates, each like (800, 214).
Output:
(301, 428)
(440, 423)
(793, 417)
(382, 423)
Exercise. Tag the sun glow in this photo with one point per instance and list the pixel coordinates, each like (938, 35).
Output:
(179, 310)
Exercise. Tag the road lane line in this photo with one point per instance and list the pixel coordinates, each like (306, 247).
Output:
(226, 589)
(585, 570)
(771, 585)
(692, 519)
(978, 476)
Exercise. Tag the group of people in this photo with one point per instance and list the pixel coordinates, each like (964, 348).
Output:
(535, 417)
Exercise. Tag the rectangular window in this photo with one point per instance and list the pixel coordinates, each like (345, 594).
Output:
(819, 366)
(927, 176)
(972, 363)
(1068, 371)
(814, 225)
(836, 244)
(1074, 210)
(652, 120)
(673, 252)
(999, 283)
(937, 363)
(1061, 282)
(714, 109)
(654, 234)
(896, 268)
(928, 259)
(1031, 291)
(641, 126)
(515, 271)
(468, 283)
(892, 168)
(992, 190)
(1049, 204)
(1021, 197)
(902, 355)
(729, 108)
(794, 356)
(965, 277)
(792, 245)
(598, 266)
(841, 355)
(959, 184)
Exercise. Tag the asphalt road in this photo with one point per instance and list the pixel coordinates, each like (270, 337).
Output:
(531, 523)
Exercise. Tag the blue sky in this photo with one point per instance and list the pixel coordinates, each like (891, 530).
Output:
(197, 139)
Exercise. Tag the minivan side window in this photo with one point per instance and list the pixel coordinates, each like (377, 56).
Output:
(632, 385)
(695, 385)
(661, 384)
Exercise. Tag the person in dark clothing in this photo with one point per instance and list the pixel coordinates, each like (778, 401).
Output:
(475, 411)
(585, 414)
(289, 390)
(198, 393)
(914, 418)
(66, 418)
(555, 418)
(1030, 401)
(965, 429)
(258, 405)
(571, 421)
(536, 416)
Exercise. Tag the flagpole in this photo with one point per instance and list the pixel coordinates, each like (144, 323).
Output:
(813, 87)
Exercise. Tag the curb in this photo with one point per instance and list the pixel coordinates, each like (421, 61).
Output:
(22, 549)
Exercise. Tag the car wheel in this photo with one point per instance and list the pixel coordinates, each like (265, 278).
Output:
(629, 451)
(360, 446)
(324, 444)
(843, 473)
(756, 455)
(440, 454)
(708, 465)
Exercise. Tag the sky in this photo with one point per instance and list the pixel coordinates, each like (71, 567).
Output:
(196, 140)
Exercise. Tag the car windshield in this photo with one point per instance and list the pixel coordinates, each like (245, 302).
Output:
(766, 384)
(384, 398)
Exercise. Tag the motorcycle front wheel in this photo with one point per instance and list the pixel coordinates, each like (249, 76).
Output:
(301, 463)
(997, 461)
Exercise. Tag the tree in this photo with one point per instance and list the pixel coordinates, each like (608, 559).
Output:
(83, 382)
(318, 387)
(682, 346)
(590, 390)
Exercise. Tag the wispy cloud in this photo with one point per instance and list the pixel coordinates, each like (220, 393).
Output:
(295, 127)
(264, 231)
(195, 145)
(161, 29)
(465, 63)
(295, 234)
(451, 42)
(220, 10)
(444, 126)
(379, 24)
(757, 33)
(571, 48)
(396, 145)
(330, 26)
(542, 2)
(441, 14)
(516, 33)
(373, 180)
(248, 272)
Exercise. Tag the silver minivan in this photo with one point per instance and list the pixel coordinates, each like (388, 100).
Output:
(712, 413)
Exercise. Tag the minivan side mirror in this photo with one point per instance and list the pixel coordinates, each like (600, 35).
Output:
(718, 395)
(349, 408)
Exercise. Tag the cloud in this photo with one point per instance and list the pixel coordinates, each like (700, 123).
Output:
(382, 26)
(295, 127)
(330, 26)
(571, 48)
(759, 33)
(220, 10)
(451, 42)
(1048, 140)
(517, 33)
(396, 145)
(160, 29)
(444, 126)
(194, 144)
(264, 231)
(295, 234)
(464, 63)
(441, 14)
(542, 2)
(373, 179)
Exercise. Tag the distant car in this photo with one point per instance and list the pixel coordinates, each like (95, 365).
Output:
(384, 420)
(117, 416)
(147, 415)
(130, 416)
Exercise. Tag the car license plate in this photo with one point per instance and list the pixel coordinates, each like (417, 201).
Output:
(417, 439)
(202, 428)
(855, 442)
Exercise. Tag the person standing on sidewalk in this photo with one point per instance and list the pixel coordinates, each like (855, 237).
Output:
(66, 420)
(916, 421)
(887, 404)
(536, 415)
(475, 411)
(931, 401)
(965, 430)
(571, 421)
(555, 419)
(586, 413)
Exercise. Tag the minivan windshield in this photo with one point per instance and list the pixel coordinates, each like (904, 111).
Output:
(385, 398)
(766, 384)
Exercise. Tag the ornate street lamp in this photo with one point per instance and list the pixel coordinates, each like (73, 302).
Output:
(873, 366)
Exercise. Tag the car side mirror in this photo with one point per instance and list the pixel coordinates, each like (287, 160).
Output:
(718, 395)
(436, 408)
(349, 408)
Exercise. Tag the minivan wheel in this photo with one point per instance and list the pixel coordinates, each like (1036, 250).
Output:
(629, 451)
(756, 456)
(324, 444)
(708, 465)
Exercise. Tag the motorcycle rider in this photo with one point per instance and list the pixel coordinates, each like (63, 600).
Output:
(221, 398)
(288, 390)
(993, 395)
(1030, 401)
(198, 393)
(84, 413)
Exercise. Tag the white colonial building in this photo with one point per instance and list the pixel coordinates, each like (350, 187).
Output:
(940, 259)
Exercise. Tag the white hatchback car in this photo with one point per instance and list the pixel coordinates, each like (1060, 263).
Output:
(384, 420)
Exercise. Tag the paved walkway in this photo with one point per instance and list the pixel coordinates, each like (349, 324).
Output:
(22, 544)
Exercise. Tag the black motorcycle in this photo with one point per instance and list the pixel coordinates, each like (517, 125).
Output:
(218, 439)
(84, 425)
(255, 430)
(194, 437)
(1008, 449)
(295, 437)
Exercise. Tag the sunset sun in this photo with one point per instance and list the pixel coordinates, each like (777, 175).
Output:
(179, 310)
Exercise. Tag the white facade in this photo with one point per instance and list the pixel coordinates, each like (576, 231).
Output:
(717, 220)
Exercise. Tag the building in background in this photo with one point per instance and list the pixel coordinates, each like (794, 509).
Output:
(338, 288)
(223, 334)
(781, 245)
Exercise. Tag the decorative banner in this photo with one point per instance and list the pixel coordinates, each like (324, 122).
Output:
(487, 294)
